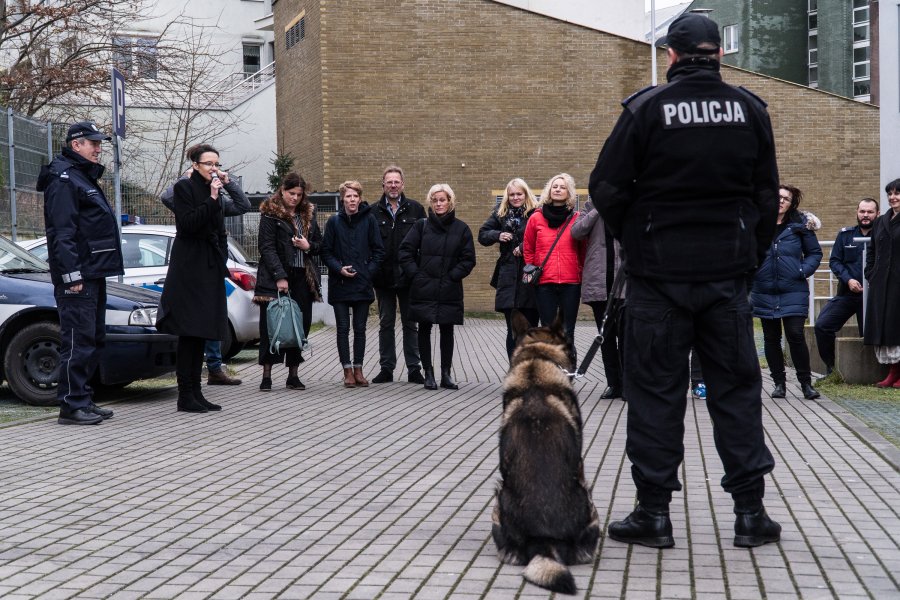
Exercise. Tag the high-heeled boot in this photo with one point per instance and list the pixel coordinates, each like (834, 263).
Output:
(447, 379)
(186, 400)
(430, 383)
(893, 377)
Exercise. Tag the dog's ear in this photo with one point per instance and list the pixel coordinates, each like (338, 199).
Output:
(520, 325)
(558, 327)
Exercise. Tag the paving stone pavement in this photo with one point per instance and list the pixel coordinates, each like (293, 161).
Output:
(386, 492)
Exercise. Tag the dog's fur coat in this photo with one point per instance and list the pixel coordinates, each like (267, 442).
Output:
(544, 516)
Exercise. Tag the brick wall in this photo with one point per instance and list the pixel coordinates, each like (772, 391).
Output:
(435, 85)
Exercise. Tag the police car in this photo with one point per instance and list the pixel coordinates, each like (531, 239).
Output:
(145, 251)
(29, 331)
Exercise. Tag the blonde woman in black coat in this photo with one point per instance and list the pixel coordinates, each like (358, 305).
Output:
(192, 305)
(436, 255)
(288, 237)
(506, 227)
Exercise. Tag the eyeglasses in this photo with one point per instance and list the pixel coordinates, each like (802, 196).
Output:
(211, 164)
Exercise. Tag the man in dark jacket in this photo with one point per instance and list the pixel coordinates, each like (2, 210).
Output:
(846, 264)
(234, 204)
(84, 249)
(687, 180)
(395, 214)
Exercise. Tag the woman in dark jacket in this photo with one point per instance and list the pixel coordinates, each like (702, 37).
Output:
(437, 254)
(352, 249)
(780, 293)
(506, 226)
(883, 275)
(288, 237)
(193, 299)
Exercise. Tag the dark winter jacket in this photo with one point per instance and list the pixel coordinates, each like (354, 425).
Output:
(687, 180)
(780, 288)
(393, 230)
(82, 235)
(507, 278)
(193, 298)
(437, 255)
(352, 240)
(276, 249)
(883, 275)
(602, 255)
(846, 260)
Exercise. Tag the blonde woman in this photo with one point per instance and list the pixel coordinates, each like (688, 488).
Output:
(436, 255)
(506, 226)
(559, 289)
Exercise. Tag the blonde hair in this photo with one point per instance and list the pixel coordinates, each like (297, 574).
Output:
(570, 186)
(392, 169)
(530, 200)
(351, 184)
(442, 187)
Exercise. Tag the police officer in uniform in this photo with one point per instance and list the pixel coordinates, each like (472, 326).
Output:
(846, 264)
(687, 180)
(84, 249)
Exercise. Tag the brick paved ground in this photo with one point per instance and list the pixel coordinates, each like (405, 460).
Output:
(386, 492)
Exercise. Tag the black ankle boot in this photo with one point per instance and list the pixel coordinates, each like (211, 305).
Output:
(644, 527)
(186, 400)
(447, 379)
(430, 383)
(197, 391)
(778, 391)
(809, 392)
(753, 529)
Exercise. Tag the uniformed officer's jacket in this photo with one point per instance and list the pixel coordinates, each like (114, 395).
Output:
(82, 235)
(687, 180)
(846, 259)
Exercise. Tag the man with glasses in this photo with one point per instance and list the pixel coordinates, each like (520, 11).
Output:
(234, 204)
(395, 215)
(687, 180)
(846, 264)
(84, 249)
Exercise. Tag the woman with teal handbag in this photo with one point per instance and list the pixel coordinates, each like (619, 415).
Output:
(288, 237)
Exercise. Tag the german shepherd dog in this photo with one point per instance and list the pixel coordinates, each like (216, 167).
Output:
(544, 516)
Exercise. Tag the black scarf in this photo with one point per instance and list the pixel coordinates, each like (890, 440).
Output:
(555, 215)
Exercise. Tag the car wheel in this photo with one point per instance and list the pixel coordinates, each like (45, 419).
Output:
(32, 363)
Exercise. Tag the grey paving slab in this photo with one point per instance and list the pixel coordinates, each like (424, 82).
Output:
(386, 492)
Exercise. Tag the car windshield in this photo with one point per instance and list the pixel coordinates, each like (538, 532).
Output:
(15, 259)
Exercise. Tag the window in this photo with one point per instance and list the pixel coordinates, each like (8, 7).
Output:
(813, 49)
(861, 63)
(813, 6)
(295, 31)
(814, 77)
(731, 37)
(136, 56)
(813, 20)
(251, 59)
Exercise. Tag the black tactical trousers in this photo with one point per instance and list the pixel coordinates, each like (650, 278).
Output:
(663, 321)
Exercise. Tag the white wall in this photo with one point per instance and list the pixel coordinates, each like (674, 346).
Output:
(622, 17)
(889, 90)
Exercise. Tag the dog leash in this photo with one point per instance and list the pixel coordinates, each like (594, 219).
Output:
(618, 284)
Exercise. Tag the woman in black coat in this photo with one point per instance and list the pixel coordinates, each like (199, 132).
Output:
(288, 237)
(883, 300)
(436, 255)
(506, 226)
(192, 305)
(352, 249)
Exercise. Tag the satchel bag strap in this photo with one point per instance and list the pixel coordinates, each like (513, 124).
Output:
(562, 230)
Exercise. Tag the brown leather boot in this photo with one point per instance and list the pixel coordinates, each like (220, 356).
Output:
(220, 377)
(361, 381)
(349, 380)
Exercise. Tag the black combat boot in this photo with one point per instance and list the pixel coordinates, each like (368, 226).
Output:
(752, 526)
(645, 526)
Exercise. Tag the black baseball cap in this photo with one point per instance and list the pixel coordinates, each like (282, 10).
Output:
(85, 130)
(689, 31)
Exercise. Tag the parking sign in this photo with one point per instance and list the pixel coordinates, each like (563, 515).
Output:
(118, 103)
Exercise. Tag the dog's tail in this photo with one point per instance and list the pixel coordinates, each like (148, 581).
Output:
(549, 573)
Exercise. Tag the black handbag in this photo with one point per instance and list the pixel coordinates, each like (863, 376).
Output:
(531, 274)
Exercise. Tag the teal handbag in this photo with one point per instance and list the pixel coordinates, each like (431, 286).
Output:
(284, 320)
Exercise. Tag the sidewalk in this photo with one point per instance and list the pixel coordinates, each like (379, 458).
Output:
(386, 492)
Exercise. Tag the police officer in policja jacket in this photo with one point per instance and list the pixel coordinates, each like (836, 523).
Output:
(687, 180)
(84, 249)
